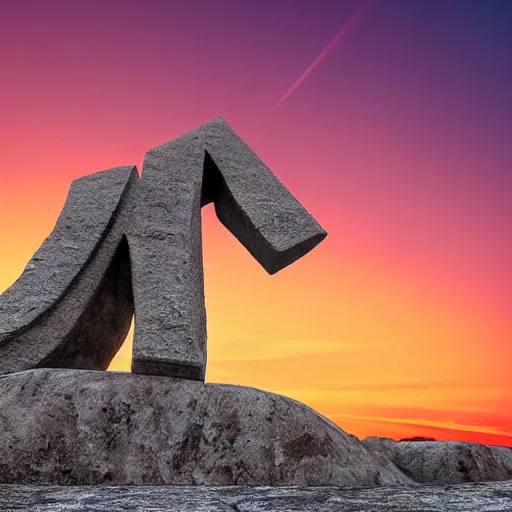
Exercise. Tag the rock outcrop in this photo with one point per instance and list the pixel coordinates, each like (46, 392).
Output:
(80, 427)
(445, 462)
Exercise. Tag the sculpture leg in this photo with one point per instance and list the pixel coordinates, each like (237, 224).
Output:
(72, 306)
(165, 240)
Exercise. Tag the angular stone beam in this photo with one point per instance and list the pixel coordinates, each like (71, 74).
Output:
(72, 306)
(209, 164)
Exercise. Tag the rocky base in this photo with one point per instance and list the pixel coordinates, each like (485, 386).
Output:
(79, 427)
(483, 497)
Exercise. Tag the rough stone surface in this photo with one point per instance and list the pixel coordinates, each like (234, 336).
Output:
(209, 164)
(253, 204)
(166, 248)
(73, 304)
(78, 427)
(80, 273)
(474, 497)
(445, 462)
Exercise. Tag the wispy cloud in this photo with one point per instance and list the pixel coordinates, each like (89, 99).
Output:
(255, 348)
(345, 30)
(449, 425)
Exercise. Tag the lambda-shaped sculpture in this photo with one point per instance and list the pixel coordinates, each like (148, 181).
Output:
(125, 245)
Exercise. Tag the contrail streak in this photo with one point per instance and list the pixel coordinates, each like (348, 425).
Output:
(337, 38)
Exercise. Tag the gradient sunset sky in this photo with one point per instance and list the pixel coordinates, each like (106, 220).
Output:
(389, 120)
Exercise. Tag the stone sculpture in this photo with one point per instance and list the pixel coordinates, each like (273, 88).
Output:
(126, 245)
(73, 304)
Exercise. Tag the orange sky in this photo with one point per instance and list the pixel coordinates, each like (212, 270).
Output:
(372, 350)
(399, 323)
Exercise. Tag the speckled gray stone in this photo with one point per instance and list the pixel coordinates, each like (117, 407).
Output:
(445, 462)
(474, 497)
(72, 306)
(209, 164)
(79, 427)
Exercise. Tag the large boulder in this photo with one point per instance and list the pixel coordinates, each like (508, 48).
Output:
(445, 462)
(73, 427)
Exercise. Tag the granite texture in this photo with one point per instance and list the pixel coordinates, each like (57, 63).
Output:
(445, 462)
(166, 248)
(72, 306)
(208, 164)
(253, 204)
(124, 244)
(474, 497)
(79, 427)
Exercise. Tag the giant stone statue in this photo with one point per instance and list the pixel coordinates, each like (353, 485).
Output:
(125, 245)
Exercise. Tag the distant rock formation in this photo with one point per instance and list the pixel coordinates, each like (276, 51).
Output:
(445, 462)
(416, 439)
